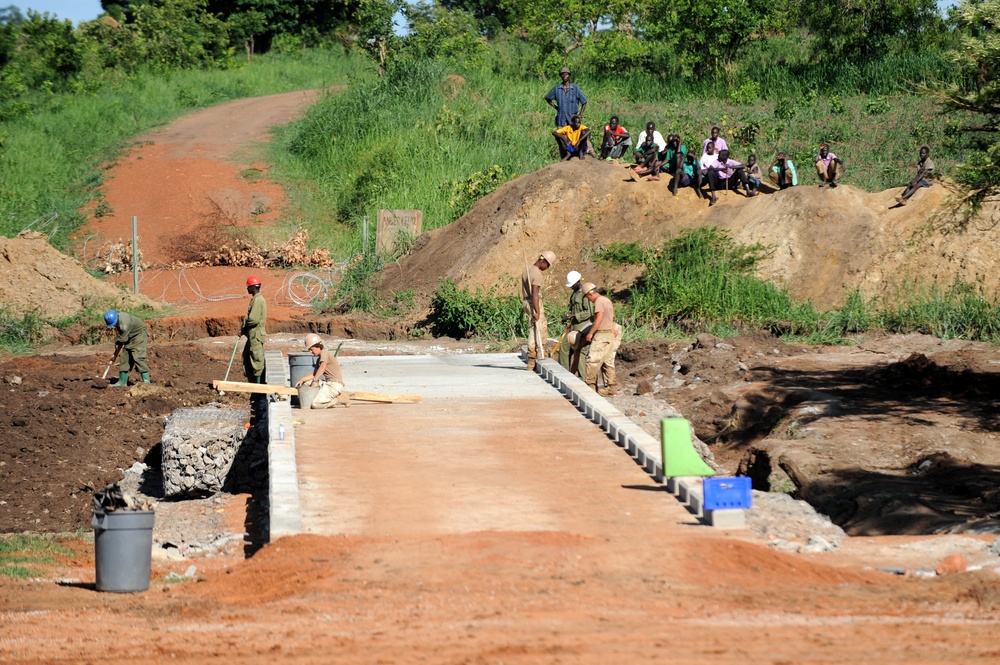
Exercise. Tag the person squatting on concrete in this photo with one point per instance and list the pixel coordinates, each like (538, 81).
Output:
(925, 173)
(130, 346)
(577, 318)
(254, 329)
(601, 337)
(327, 374)
(531, 302)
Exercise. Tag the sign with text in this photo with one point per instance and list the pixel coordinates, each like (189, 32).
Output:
(396, 224)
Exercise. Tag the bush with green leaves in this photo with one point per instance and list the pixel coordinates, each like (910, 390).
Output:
(458, 313)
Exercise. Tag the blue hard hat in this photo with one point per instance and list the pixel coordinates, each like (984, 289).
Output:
(111, 318)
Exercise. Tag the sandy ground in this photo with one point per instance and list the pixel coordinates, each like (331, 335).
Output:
(626, 575)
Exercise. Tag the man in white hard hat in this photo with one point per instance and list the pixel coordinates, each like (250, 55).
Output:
(531, 301)
(327, 374)
(578, 316)
(601, 337)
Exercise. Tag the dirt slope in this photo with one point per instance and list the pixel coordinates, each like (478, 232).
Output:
(826, 241)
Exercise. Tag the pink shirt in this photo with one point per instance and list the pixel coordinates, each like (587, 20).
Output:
(720, 145)
(725, 170)
(826, 160)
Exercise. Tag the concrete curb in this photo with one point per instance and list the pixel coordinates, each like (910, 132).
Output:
(284, 508)
(643, 448)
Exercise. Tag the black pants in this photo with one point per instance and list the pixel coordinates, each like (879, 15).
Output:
(716, 182)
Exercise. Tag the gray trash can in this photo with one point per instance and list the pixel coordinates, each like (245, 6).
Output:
(123, 549)
(300, 365)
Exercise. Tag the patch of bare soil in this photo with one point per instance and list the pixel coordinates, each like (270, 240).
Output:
(825, 242)
(895, 436)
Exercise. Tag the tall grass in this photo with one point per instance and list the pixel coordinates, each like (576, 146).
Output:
(435, 136)
(51, 159)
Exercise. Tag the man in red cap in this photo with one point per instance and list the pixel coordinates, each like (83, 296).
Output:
(253, 329)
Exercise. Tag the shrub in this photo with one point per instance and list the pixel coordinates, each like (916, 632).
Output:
(458, 313)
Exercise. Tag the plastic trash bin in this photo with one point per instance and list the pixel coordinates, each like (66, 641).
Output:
(123, 549)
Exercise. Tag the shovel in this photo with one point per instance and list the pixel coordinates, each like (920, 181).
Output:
(111, 362)
(231, 359)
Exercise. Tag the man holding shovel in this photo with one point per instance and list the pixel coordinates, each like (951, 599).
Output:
(132, 339)
(531, 301)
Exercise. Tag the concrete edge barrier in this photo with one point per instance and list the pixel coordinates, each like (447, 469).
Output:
(643, 448)
(284, 506)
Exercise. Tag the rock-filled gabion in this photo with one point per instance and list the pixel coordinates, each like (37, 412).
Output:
(199, 447)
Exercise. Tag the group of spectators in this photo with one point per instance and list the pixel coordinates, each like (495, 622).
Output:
(713, 167)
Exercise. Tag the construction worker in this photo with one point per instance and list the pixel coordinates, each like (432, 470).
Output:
(254, 330)
(578, 316)
(601, 337)
(327, 375)
(531, 301)
(130, 347)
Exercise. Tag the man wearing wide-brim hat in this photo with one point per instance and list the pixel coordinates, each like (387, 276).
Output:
(567, 99)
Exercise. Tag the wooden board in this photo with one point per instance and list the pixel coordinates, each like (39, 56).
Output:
(379, 397)
(268, 389)
(258, 388)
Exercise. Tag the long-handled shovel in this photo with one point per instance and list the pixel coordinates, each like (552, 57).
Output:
(231, 359)
(111, 362)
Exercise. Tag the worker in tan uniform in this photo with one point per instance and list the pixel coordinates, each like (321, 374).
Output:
(601, 337)
(531, 301)
(577, 318)
(327, 374)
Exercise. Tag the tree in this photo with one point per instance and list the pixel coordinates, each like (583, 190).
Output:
(376, 31)
(558, 27)
(859, 29)
(979, 59)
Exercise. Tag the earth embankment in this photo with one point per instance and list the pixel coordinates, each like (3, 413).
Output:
(824, 242)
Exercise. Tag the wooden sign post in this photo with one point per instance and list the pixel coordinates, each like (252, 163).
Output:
(395, 223)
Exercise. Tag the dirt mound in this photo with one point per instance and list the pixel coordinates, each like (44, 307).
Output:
(37, 277)
(825, 242)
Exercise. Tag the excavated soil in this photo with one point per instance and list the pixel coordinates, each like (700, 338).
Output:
(893, 436)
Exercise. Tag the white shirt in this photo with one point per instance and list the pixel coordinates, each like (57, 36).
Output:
(661, 145)
(707, 160)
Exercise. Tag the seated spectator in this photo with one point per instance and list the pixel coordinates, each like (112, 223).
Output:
(616, 140)
(649, 153)
(674, 155)
(725, 172)
(707, 159)
(754, 176)
(717, 142)
(782, 172)
(690, 175)
(572, 139)
(925, 173)
(829, 167)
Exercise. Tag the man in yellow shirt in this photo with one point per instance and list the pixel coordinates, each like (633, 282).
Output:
(573, 139)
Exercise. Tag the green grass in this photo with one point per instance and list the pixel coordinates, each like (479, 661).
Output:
(51, 159)
(416, 139)
(20, 549)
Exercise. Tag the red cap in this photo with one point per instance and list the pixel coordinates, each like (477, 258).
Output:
(253, 280)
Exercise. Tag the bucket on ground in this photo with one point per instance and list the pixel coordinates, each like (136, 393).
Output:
(300, 365)
(306, 395)
(123, 549)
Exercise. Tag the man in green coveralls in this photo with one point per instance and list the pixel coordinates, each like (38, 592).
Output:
(578, 317)
(130, 347)
(254, 330)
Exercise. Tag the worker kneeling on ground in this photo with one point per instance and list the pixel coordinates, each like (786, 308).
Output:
(327, 374)
(130, 347)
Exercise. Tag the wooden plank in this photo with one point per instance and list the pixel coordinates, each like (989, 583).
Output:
(267, 389)
(380, 397)
(258, 388)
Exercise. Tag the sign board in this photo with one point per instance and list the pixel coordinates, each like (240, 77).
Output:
(395, 223)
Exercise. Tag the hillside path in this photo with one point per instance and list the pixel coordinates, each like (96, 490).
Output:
(189, 183)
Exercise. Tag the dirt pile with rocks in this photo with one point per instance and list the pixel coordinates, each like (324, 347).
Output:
(825, 242)
(36, 277)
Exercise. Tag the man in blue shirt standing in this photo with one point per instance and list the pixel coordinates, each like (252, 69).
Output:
(566, 99)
